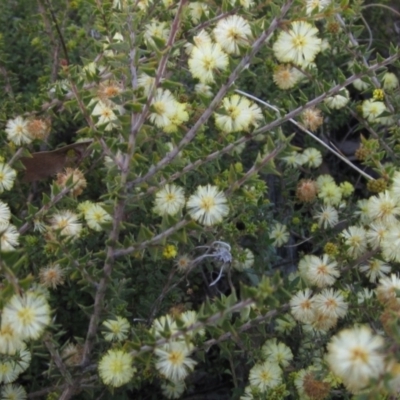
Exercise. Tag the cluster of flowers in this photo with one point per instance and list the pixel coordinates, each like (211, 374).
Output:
(310, 157)
(207, 205)
(23, 319)
(298, 47)
(355, 356)
(22, 131)
(9, 234)
(67, 223)
(267, 374)
(208, 58)
(172, 357)
(104, 108)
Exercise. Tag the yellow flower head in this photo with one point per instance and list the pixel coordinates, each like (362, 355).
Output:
(170, 251)
(378, 94)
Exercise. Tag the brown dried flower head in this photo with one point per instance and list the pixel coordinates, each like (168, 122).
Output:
(312, 118)
(72, 354)
(78, 180)
(108, 90)
(315, 389)
(39, 128)
(177, 310)
(51, 276)
(307, 190)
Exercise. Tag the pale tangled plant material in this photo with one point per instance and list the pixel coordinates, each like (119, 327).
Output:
(220, 252)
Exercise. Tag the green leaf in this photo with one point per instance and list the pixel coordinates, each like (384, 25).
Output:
(144, 234)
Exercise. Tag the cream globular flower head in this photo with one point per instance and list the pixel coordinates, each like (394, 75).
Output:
(117, 329)
(390, 81)
(298, 45)
(328, 217)
(390, 243)
(115, 368)
(339, 100)
(164, 326)
(321, 272)
(232, 32)
(106, 116)
(173, 360)
(9, 238)
(388, 288)
(22, 359)
(189, 319)
(208, 205)
(163, 105)
(239, 114)
(384, 207)
(10, 342)
(7, 177)
(294, 159)
(244, 261)
(375, 234)
(52, 276)
(13, 392)
(318, 5)
(28, 315)
(372, 109)
(277, 352)
(330, 193)
(146, 82)
(355, 237)
(355, 356)
(5, 215)
(17, 131)
(265, 375)
(285, 323)
(312, 157)
(202, 38)
(321, 322)
(8, 371)
(96, 217)
(246, 4)
(179, 116)
(206, 60)
(156, 29)
(323, 180)
(330, 303)
(302, 306)
(197, 10)
(169, 200)
(375, 269)
(395, 187)
(286, 76)
(279, 233)
(67, 223)
(173, 390)
(203, 89)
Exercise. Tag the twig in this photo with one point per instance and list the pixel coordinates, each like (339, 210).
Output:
(316, 138)
(55, 356)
